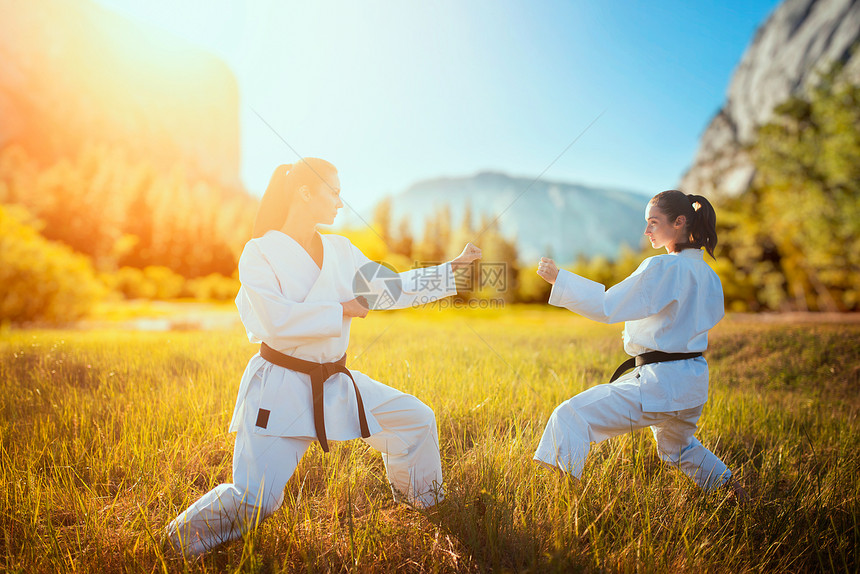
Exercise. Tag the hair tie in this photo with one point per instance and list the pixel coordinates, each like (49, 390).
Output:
(694, 203)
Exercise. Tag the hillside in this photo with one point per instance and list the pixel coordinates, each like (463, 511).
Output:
(558, 218)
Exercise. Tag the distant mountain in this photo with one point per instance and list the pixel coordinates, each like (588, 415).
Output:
(73, 73)
(800, 39)
(559, 219)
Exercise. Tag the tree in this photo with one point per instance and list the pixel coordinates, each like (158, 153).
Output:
(121, 212)
(796, 234)
(498, 269)
(402, 243)
(431, 250)
(382, 220)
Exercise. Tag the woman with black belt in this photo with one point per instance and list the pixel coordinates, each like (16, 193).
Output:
(669, 304)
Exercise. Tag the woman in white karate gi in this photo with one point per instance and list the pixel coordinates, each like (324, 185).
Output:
(669, 304)
(297, 300)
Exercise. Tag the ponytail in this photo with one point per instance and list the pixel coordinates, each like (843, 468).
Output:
(699, 213)
(275, 203)
(703, 228)
(283, 185)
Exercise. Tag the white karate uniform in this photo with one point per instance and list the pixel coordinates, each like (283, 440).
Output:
(669, 304)
(294, 307)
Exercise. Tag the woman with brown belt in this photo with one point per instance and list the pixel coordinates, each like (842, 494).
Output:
(297, 299)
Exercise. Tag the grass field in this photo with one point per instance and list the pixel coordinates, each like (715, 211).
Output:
(106, 435)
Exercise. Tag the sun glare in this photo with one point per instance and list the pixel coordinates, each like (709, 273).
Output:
(209, 25)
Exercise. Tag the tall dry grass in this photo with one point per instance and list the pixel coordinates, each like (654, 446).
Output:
(105, 436)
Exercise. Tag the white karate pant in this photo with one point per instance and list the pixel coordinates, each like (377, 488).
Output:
(262, 465)
(608, 410)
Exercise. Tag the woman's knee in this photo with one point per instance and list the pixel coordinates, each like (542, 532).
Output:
(419, 414)
(262, 494)
(262, 501)
(272, 502)
(565, 414)
(426, 414)
(672, 439)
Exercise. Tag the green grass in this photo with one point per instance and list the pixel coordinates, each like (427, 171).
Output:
(106, 435)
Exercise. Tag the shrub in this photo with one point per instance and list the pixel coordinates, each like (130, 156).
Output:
(152, 282)
(42, 281)
(213, 287)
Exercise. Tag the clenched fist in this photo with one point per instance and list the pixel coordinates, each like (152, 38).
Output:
(356, 308)
(547, 270)
(469, 254)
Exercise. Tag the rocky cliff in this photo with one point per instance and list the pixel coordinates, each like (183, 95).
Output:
(798, 40)
(73, 73)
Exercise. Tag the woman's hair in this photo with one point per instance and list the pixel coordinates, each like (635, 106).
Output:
(701, 218)
(281, 192)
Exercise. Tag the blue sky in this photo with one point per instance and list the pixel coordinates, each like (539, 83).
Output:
(394, 92)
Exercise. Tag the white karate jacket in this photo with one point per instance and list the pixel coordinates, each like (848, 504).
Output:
(295, 307)
(669, 304)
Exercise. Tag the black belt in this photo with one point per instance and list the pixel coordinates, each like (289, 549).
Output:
(319, 373)
(648, 358)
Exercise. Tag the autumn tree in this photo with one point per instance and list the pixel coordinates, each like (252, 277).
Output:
(120, 211)
(795, 236)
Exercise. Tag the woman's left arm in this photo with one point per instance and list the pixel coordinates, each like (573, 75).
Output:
(470, 253)
(647, 291)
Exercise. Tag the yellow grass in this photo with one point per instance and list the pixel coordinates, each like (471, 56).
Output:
(107, 435)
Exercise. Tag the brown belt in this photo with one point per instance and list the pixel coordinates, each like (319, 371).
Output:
(319, 373)
(648, 358)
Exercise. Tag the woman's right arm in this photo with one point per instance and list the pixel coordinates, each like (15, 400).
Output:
(270, 316)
